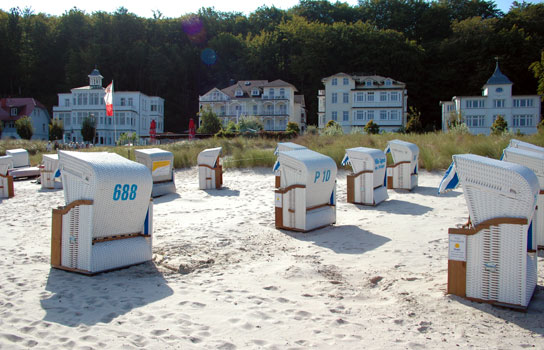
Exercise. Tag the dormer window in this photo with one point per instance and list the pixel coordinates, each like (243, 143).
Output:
(239, 93)
(13, 112)
(255, 92)
(388, 82)
(368, 83)
(247, 83)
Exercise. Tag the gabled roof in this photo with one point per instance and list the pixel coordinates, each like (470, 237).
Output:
(25, 106)
(280, 83)
(245, 85)
(498, 78)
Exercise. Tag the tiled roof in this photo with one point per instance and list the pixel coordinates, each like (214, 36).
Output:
(25, 106)
(498, 78)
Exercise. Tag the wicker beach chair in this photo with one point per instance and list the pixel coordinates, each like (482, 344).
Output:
(525, 145)
(306, 199)
(533, 159)
(161, 165)
(210, 170)
(6, 181)
(403, 174)
(20, 157)
(49, 171)
(367, 184)
(282, 147)
(492, 259)
(107, 221)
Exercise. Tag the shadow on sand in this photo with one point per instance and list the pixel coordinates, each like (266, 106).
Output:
(433, 192)
(394, 206)
(223, 192)
(344, 239)
(79, 299)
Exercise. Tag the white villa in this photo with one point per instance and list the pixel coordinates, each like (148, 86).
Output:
(522, 113)
(12, 109)
(273, 103)
(353, 100)
(133, 112)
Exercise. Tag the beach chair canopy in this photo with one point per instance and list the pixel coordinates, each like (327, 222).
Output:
(313, 170)
(158, 161)
(20, 157)
(119, 188)
(209, 156)
(363, 159)
(525, 145)
(492, 188)
(403, 151)
(287, 146)
(530, 159)
(6, 162)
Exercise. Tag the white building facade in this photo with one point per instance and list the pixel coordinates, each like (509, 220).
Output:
(133, 112)
(521, 112)
(273, 103)
(12, 109)
(353, 100)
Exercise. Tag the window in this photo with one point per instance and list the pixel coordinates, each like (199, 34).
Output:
(498, 103)
(130, 101)
(346, 81)
(122, 118)
(498, 90)
(359, 97)
(85, 99)
(335, 116)
(360, 115)
(475, 121)
(523, 102)
(394, 96)
(388, 82)
(345, 97)
(74, 100)
(334, 81)
(13, 112)
(67, 102)
(394, 115)
(475, 103)
(255, 92)
(334, 97)
(239, 93)
(123, 102)
(383, 96)
(370, 97)
(523, 120)
(222, 110)
(79, 99)
(383, 115)
(255, 108)
(282, 93)
(283, 109)
(370, 115)
(368, 83)
(345, 116)
(153, 108)
(271, 93)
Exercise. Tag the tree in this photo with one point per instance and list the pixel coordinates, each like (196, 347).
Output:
(24, 127)
(499, 126)
(88, 128)
(372, 128)
(55, 130)
(210, 122)
(292, 127)
(538, 70)
(250, 124)
(413, 125)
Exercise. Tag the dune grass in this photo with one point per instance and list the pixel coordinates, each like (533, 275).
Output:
(435, 149)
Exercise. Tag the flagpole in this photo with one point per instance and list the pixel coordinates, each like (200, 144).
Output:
(114, 124)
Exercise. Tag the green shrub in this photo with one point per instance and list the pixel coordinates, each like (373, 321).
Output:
(24, 128)
(56, 130)
(88, 128)
(293, 128)
(250, 124)
(372, 128)
(413, 125)
(499, 126)
(332, 129)
(210, 122)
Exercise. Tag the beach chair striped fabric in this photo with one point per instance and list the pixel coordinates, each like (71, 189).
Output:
(161, 165)
(306, 198)
(107, 220)
(210, 170)
(492, 259)
(6, 181)
(403, 174)
(532, 158)
(367, 184)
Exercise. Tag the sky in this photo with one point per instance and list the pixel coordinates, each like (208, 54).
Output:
(169, 8)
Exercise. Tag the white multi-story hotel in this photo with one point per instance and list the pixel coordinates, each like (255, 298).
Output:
(479, 112)
(353, 100)
(133, 112)
(273, 103)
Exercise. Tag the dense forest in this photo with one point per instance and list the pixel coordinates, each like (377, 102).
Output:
(438, 48)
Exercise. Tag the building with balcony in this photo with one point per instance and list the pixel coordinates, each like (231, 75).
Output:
(133, 112)
(522, 113)
(353, 100)
(273, 103)
(12, 109)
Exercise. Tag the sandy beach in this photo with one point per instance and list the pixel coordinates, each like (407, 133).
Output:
(223, 277)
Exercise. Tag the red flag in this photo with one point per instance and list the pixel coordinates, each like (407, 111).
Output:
(108, 99)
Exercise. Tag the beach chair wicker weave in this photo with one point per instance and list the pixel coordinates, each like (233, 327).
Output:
(403, 174)
(20, 157)
(6, 181)
(306, 199)
(49, 172)
(161, 165)
(210, 170)
(282, 147)
(493, 259)
(367, 184)
(107, 221)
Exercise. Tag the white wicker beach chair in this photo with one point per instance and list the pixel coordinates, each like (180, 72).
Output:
(493, 258)
(282, 147)
(107, 221)
(20, 157)
(403, 174)
(306, 199)
(161, 165)
(49, 172)
(210, 170)
(368, 182)
(534, 160)
(6, 181)
(526, 146)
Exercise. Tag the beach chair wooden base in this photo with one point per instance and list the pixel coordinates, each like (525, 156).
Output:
(6, 186)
